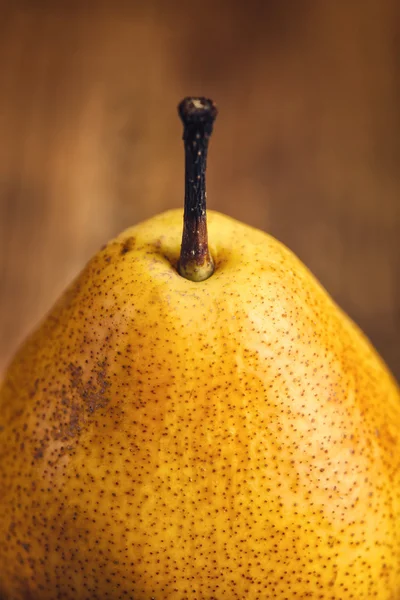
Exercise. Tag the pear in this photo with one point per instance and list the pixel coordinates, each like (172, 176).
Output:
(198, 420)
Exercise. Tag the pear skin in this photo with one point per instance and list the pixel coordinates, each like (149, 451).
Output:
(234, 438)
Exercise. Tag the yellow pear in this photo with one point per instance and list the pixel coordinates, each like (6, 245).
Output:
(198, 422)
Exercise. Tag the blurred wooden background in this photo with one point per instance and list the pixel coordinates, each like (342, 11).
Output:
(307, 144)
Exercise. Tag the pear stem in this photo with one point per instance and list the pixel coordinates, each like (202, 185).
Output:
(198, 115)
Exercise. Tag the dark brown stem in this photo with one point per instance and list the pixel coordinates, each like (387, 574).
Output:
(198, 115)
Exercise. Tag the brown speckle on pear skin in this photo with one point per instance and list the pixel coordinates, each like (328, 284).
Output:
(166, 439)
(128, 245)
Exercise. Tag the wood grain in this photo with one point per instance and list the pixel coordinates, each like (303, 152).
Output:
(306, 145)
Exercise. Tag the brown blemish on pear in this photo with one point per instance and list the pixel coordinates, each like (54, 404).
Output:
(128, 245)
